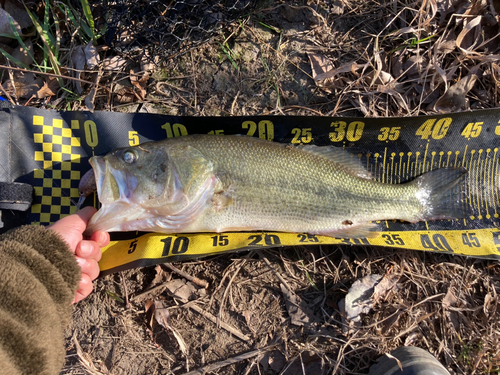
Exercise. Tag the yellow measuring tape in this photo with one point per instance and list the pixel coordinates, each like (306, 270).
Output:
(149, 248)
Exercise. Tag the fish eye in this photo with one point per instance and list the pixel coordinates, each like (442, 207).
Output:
(129, 157)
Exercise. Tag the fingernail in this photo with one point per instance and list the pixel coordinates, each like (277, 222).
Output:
(85, 248)
(81, 262)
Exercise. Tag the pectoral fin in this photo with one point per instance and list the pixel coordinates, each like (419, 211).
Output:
(221, 200)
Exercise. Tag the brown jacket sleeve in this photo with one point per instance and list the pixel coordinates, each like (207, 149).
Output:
(38, 280)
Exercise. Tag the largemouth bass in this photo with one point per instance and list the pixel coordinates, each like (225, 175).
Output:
(208, 183)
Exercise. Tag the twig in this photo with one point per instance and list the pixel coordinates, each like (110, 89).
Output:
(7, 94)
(199, 282)
(224, 296)
(127, 302)
(51, 75)
(194, 82)
(277, 274)
(213, 319)
(89, 366)
(149, 291)
(230, 361)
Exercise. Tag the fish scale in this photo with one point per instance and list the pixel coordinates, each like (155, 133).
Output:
(314, 195)
(236, 183)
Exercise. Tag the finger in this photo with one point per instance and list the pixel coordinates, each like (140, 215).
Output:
(84, 288)
(71, 227)
(86, 213)
(88, 250)
(77, 221)
(89, 267)
(102, 238)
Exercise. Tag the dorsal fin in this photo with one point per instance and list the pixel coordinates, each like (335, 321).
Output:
(339, 155)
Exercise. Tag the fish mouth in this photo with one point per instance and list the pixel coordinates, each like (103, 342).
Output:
(115, 190)
(113, 185)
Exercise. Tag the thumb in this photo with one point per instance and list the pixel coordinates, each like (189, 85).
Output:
(71, 227)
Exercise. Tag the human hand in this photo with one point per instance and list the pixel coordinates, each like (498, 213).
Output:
(87, 252)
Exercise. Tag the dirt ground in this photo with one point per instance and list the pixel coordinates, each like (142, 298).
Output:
(441, 303)
(277, 311)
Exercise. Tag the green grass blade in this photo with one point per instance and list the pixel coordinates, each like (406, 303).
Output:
(228, 54)
(46, 25)
(12, 59)
(48, 50)
(57, 41)
(272, 28)
(88, 15)
(77, 22)
(19, 39)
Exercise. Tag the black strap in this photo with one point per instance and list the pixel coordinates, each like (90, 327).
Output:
(15, 196)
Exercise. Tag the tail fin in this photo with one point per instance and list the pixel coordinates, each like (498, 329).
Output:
(442, 194)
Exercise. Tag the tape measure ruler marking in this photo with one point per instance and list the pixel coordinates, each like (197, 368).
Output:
(165, 247)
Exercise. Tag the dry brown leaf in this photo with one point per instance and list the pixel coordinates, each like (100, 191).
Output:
(149, 64)
(89, 99)
(449, 299)
(300, 314)
(382, 289)
(337, 8)
(447, 43)
(413, 66)
(490, 304)
(181, 289)
(159, 275)
(277, 361)
(471, 25)
(149, 307)
(442, 75)
(397, 65)
(378, 68)
(140, 83)
(25, 85)
(78, 62)
(406, 30)
(300, 14)
(454, 98)
(17, 10)
(320, 66)
(323, 68)
(44, 92)
(22, 55)
(446, 7)
(91, 56)
(5, 26)
(126, 95)
(430, 13)
(383, 78)
(78, 58)
(115, 63)
(162, 317)
(161, 314)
